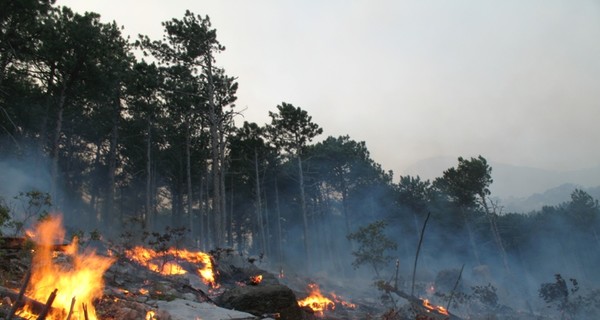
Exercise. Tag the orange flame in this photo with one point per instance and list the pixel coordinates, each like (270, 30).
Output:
(151, 259)
(316, 301)
(151, 315)
(256, 279)
(83, 280)
(345, 304)
(435, 308)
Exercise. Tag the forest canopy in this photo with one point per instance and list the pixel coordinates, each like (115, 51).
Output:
(132, 135)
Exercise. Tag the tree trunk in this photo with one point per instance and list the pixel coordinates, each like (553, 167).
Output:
(215, 155)
(94, 191)
(56, 143)
(188, 171)
(259, 208)
(223, 194)
(471, 237)
(304, 214)
(44, 125)
(496, 233)
(112, 164)
(148, 206)
(279, 231)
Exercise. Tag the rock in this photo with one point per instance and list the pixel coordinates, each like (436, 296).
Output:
(261, 299)
(180, 309)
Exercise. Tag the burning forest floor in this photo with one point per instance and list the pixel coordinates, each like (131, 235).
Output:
(64, 281)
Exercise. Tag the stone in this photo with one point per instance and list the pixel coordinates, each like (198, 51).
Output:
(263, 299)
(180, 309)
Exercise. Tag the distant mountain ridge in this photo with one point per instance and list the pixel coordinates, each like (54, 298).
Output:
(551, 197)
(519, 188)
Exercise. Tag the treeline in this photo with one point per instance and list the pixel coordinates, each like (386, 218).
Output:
(140, 134)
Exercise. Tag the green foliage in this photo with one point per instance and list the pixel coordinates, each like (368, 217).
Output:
(466, 183)
(559, 295)
(414, 193)
(486, 295)
(583, 209)
(373, 246)
(161, 242)
(4, 214)
(33, 204)
(292, 128)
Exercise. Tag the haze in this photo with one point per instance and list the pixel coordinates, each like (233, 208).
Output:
(514, 81)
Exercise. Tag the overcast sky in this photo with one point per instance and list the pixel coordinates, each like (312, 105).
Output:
(515, 81)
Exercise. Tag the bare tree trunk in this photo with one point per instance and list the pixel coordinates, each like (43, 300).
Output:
(202, 223)
(188, 167)
(471, 237)
(94, 191)
(279, 231)
(259, 208)
(112, 163)
(148, 210)
(44, 125)
(496, 233)
(223, 194)
(215, 153)
(230, 215)
(304, 214)
(56, 143)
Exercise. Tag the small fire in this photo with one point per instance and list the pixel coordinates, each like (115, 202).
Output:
(82, 281)
(151, 315)
(255, 280)
(430, 307)
(143, 291)
(316, 301)
(345, 304)
(430, 289)
(157, 262)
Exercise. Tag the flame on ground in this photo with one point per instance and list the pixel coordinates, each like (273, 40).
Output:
(81, 280)
(431, 307)
(255, 280)
(151, 315)
(157, 262)
(316, 301)
(345, 304)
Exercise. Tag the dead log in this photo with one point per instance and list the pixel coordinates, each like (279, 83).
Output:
(36, 306)
(85, 311)
(48, 305)
(71, 309)
(19, 243)
(20, 296)
(419, 304)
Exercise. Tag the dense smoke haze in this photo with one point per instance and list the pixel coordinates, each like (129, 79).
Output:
(150, 142)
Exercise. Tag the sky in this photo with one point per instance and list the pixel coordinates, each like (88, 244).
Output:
(515, 81)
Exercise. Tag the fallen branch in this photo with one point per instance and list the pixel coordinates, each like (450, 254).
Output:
(85, 312)
(454, 288)
(20, 296)
(71, 309)
(36, 306)
(48, 305)
(416, 302)
(412, 289)
(18, 243)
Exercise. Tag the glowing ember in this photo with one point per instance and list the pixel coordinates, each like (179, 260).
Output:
(337, 299)
(150, 315)
(316, 301)
(256, 279)
(83, 280)
(435, 308)
(159, 262)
